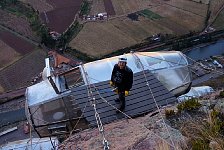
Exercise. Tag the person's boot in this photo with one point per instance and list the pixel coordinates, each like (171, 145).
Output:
(121, 107)
(117, 101)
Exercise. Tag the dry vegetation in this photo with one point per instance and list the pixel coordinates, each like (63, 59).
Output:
(7, 55)
(1, 89)
(40, 5)
(17, 24)
(98, 39)
(97, 7)
(185, 19)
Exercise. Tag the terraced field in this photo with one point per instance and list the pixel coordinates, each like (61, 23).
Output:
(62, 15)
(17, 24)
(20, 45)
(21, 73)
(98, 39)
(40, 5)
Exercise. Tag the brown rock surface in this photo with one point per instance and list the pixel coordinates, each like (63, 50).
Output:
(143, 133)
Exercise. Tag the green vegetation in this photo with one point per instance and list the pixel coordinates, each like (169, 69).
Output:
(189, 105)
(69, 34)
(85, 8)
(149, 14)
(216, 122)
(79, 55)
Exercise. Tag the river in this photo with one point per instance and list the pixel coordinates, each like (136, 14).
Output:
(204, 52)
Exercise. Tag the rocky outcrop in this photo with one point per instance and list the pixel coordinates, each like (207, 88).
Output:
(143, 133)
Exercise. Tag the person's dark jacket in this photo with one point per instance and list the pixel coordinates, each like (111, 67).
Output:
(122, 78)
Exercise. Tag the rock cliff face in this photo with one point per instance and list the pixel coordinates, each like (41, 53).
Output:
(203, 128)
(143, 133)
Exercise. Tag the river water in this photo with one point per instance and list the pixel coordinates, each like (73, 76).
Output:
(198, 53)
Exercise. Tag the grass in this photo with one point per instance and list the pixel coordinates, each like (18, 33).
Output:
(201, 135)
(189, 105)
(149, 14)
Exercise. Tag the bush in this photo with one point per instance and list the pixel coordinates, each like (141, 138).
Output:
(169, 113)
(221, 94)
(189, 105)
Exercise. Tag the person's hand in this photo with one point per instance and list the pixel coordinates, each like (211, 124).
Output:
(111, 83)
(126, 93)
(116, 91)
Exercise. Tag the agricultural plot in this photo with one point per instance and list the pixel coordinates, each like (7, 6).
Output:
(188, 20)
(64, 3)
(173, 26)
(189, 6)
(98, 39)
(21, 73)
(215, 5)
(40, 5)
(149, 14)
(218, 23)
(109, 7)
(97, 7)
(7, 54)
(62, 16)
(21, 46)
(17, 24)
(129, 6)
(59, 19)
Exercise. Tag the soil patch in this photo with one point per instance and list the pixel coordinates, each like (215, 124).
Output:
(20, 45)
(62, 16)
(21, 73)
(64, 3)
(7, 55)
(109, 7)
(40, 5)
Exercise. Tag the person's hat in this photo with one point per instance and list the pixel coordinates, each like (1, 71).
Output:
(122, 59)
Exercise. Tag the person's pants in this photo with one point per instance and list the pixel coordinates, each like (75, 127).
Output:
(122, 100)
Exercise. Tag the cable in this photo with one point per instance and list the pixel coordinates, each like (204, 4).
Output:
(97, 116)
(147, 83)
(69, 138)
(104, 100)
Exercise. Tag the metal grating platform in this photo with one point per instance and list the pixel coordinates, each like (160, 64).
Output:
(138, 102)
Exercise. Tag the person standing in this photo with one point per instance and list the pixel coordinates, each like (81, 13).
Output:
(122, 80)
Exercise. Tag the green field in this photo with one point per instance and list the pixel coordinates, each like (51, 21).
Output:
(149, 14)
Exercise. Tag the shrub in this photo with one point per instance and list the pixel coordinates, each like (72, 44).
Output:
(217, 123)
(221, 94)
(200, 144)
(189, 105)
(169, 113)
